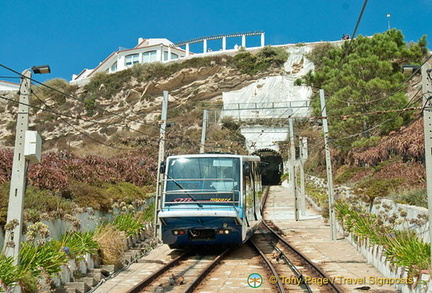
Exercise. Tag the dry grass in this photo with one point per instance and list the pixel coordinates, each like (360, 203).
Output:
(111, 244)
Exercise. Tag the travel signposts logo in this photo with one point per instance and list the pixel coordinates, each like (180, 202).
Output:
(254, 280)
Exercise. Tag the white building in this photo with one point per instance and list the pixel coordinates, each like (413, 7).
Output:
(8, 86)
(147, 50)
(161, 50)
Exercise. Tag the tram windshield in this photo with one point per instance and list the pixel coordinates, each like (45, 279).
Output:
(202, 179)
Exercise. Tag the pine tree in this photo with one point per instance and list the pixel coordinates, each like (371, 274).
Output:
(364, 76)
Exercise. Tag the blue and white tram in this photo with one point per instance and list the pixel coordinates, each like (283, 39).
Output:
(210, 199)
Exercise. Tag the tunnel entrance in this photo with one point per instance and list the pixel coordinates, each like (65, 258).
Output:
(273, 166)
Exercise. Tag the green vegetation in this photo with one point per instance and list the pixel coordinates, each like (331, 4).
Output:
(63, 183)
(415, 197)
(376, 152)
(319, 196)
(41, 258)
(401, 247)
(251, 64)
(364, 76)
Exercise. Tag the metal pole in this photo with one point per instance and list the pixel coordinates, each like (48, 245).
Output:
(388, 20)
(302, 176)
(328, 167)
(203, 132)
(161, 156)
(427, 124)
(292, 168)
(19, 173)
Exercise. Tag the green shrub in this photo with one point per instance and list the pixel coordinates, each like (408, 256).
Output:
(130, 223)
(345, 173)
(251, 64)
(78, 243)
(402, 248)
(416, 197)
(378, 187)
(10, 274)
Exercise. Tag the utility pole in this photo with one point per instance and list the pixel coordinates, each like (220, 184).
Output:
(203, 132)
(332, 215)
(161, 157)
(293, 182)
(19, 173)
(426, 72)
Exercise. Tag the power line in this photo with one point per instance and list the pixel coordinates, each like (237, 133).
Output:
(355, 31)
(81, 132)
(70, 96)
(48, 109)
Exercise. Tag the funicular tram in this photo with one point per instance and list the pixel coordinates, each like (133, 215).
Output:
(210, 199)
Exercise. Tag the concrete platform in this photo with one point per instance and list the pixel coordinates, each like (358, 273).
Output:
(312, 236)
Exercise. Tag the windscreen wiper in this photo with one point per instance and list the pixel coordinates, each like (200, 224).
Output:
(181, 187)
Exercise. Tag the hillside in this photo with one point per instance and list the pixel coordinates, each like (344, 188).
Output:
(111, 125)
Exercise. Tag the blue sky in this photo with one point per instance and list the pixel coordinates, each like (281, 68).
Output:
(76, 34)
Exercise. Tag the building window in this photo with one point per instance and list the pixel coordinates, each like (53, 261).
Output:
(149, 56)
(131, 59)
(173, 56)
(114, 67)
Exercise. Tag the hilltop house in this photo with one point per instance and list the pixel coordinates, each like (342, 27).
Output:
(161, 50)
(147, 50)
(8, 86)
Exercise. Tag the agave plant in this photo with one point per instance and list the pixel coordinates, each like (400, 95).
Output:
(76, 244)
(10, 274)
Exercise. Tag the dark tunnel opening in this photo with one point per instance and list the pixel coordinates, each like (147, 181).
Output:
(272, 168)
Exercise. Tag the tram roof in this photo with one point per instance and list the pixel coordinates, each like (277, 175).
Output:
(217, 155)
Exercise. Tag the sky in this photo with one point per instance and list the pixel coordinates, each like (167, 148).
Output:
(75, 34)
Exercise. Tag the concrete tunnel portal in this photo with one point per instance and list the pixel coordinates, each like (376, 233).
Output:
(273, 166)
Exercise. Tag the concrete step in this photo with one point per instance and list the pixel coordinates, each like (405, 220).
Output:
(81, 287)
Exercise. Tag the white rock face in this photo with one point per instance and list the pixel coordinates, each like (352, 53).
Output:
(271, 98)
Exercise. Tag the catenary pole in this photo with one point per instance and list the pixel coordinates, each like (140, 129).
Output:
(292, 163)
(161, 157)
(14, 220)
(426, 71)
(328, 167)
(302, 158)
(203, 132)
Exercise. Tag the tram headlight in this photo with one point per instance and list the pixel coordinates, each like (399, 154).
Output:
(224, 231)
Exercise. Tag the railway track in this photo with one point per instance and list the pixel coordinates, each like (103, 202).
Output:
(182, 274)
(285, 269)
(293, 271)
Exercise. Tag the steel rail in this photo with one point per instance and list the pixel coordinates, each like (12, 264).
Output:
(334, 286)
(204, 273)
(147, 281)
(290, 264)
(269, 265)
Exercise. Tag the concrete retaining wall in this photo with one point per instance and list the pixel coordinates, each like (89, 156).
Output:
(374, 253)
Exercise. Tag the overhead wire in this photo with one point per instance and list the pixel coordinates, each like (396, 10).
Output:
(399, 112)
(61, 115)
(72, 97)
(80, 131)
(48, 109)
(355, 30)
(398, 88)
